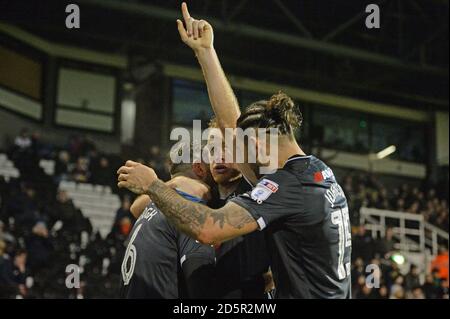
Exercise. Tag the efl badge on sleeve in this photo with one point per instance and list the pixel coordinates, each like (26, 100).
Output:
(263, 190)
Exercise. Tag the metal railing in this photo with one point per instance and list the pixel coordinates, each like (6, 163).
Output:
(413, 233)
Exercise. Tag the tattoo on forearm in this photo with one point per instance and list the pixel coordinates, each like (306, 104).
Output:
(235, 219)
(190, 217)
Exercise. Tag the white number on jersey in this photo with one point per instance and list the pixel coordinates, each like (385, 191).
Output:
(340, 217)
(130, 258)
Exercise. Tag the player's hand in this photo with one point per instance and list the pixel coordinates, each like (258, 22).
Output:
(197, 34)
(136, 177)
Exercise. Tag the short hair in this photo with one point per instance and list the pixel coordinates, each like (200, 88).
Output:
(178, 151)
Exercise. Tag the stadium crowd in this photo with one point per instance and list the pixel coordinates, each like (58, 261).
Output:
(364, 190)
(42, 231)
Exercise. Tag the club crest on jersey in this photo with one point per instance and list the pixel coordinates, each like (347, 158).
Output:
(263, 190)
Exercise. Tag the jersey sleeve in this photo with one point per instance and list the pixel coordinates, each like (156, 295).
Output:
(275, 196)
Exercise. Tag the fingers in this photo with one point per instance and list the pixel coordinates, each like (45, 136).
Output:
(187, 19)
(123, 184)
(131, 163)
(124, 170)
(185, 11)
(195, 29)
(201, 25)
(182, 31)
(122, 177)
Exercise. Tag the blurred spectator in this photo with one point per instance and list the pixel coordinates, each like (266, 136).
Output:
(23, 140)
(417, 293)
(365, 293)
(383, 292)
(103, 174)
(365, 190)
(412, 279)
(397, 290)
(23, 207)
(440, 263)
(80, 171)
(430, 288)
(20, 271)
(71, 217)
(444, 289)
(385, 245)
(62, 166)
(5, 235)
(8, 286)
(124, 210)
(362, 244)
(39, 246)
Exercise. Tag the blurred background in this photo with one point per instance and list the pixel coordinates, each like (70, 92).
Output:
(76, 103)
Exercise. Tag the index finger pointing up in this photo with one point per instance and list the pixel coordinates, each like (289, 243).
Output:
(185, 11)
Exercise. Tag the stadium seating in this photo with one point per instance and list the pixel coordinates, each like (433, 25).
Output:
(97, 203)
(7, 168)
(48, 166)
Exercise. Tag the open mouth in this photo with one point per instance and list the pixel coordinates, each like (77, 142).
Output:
(220, 168)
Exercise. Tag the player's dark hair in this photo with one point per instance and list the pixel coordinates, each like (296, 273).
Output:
(179, 168)
(182, 168)
(278, 112)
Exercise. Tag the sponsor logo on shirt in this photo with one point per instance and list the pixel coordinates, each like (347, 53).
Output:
(263, 190)
(323, 175)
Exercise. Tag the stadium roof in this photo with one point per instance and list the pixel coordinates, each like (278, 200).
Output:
(311, 44)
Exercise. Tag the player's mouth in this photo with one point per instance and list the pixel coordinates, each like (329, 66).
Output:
(220, 168)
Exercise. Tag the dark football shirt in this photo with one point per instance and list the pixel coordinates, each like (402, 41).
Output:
(157, 254)
(242, 261)
(308, 229)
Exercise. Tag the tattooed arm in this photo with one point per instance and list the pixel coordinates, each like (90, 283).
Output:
(207, 225)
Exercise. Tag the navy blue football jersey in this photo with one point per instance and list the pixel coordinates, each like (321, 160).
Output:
(242, 261)
(156, 254)
(305, 214)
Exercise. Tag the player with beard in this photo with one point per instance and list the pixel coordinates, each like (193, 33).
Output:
(161, 262)
(242, 263)
(301, 204)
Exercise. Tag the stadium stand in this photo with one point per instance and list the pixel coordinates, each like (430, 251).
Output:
(48, 221)
(7, 169)
(87, 224)
(95, 201)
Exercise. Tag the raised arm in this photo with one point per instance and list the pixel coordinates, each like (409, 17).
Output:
(199, 36)
(209, 226)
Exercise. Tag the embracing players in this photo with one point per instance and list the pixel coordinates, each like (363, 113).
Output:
(160, 262)
(301, 206)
